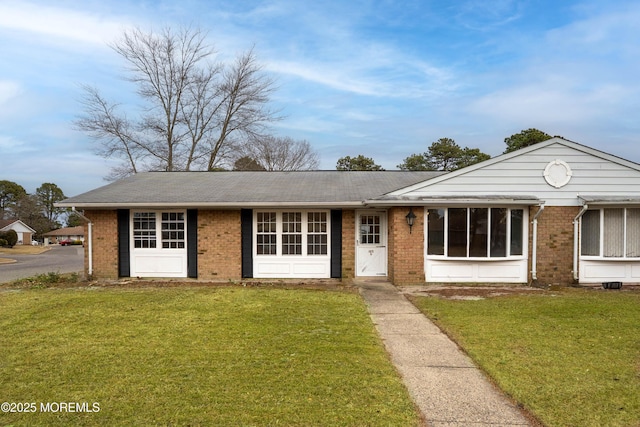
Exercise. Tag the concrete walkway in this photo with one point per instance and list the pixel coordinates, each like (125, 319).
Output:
(443, 382)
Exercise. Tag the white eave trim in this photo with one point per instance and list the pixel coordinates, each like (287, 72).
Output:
(211, 205)
(450, 201)
(609, 200)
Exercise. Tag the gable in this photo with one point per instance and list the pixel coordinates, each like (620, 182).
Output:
(16, 225)
(555, 171)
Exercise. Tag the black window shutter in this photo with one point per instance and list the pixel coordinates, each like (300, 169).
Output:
(246, 218)
(336, 244)
(124, 258)
(192, 243)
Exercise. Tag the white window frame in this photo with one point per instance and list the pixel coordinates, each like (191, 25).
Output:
(601, 248)
(158, 261)
(304, 233)
(158, 229)
(488, 257)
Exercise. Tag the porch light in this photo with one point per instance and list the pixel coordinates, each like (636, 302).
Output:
(411, 217)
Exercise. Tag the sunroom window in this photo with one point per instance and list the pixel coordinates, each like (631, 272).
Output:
(478, 232)
(611, 233)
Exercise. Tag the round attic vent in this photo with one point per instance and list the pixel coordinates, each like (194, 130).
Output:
(557, 173)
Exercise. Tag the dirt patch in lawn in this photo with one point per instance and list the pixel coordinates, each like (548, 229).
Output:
(468, 292)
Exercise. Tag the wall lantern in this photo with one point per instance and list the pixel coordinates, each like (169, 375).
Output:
(411, 217)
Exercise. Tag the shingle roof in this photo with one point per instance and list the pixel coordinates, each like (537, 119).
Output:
(228, 189)
(69, 231)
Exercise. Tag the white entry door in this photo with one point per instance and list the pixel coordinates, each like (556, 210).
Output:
(371, 243)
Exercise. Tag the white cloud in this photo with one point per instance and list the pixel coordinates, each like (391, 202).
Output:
(59, 23)
(8, 91)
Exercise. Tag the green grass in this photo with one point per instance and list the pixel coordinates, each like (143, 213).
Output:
(197, 356)
(571, 357)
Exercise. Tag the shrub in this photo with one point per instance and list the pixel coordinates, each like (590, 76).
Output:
(3, 242)
(11, 238)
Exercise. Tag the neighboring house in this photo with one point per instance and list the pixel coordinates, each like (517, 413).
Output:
(68, 233)
(25, 233)
(556, 212)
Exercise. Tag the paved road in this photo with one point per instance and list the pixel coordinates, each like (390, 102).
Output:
(60, 259)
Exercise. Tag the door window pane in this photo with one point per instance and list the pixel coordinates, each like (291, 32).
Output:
(590, 234)
(370, 229)
(498, 246)
(613, 233)
(435, 243)
(457, 232)
(478, 232)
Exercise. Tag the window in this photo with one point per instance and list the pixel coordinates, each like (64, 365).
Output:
(317, 233)
(170, 228)
(288, 233)
(610, 233)
(144, 230)
(370, 229)
(291, 233)
(173, 230)
(475, 232)
(266, 237)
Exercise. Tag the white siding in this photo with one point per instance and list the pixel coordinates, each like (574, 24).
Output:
(524, 175)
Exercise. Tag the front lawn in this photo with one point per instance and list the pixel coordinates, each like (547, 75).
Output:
(571, 357)
(196, 356)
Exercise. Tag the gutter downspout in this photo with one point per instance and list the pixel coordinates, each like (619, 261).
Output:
(90, 247)
(534, 244)
(576, 220)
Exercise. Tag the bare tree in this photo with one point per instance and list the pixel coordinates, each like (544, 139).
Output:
(280, 153)
(194, 109)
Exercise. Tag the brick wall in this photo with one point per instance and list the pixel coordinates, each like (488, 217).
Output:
(555, 244)
(219, 245)
(406, 248)
(348, 244)
(104, 244)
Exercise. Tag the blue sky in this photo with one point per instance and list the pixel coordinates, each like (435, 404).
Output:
(381, 78)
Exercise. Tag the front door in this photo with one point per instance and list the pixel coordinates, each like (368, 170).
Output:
(371, 243)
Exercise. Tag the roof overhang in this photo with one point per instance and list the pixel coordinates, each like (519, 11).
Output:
(210, 205)
(460, 200)
(596, 200)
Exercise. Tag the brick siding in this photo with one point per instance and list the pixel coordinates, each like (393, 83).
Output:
(348, 245)
(219, 245)
(555, 245)
(104, 244)
(406, 247)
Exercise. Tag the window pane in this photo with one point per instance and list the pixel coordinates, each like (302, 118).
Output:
(517, 240)
(633, 233)
(435, 243)
(457, 232)
(266, 233)
(498, 242)
(144, 230)
(370, 229)
(478, 232)
(613, 233)
(173, 230)
(590, 234)
(317, 233)
(292, 233)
